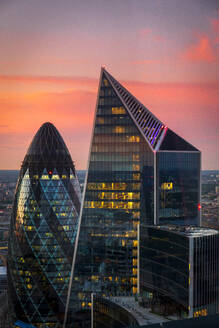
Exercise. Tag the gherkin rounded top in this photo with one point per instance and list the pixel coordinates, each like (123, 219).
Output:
(47, 148)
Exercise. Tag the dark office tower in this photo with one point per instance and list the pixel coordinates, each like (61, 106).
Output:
(42, 233)
(139, 172)
(179, 270)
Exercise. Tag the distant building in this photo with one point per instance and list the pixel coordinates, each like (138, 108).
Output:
(139, 172)
(179, 270)
(42, 233)
(3, 279)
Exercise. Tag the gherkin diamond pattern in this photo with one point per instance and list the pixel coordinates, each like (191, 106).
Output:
(43, 230)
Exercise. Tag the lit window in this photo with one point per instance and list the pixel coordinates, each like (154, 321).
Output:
(49, 234)
(134, 261)
(135, 157)
(136, 186)
(55, 177)
(136, 176)
(134, 271)
(30, 228)
(45, 177)
(136, 215)
(136, 167)
(105, 82)
(118, 110)
(119, 129)
(133, 139)
(167, 186)
(100, 120)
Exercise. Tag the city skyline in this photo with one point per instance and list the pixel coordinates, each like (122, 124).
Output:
(166, 53)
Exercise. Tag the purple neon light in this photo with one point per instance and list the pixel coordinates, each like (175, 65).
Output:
(156, 135)
(156, 129)
(153, 126)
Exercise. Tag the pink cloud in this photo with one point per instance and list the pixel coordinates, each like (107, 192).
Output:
(144, 32)
(145, 61)
(215, 25)
(159, 38)
(201, 51)
(147, 32)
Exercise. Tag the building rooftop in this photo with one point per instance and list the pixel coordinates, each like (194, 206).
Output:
(144, 316)
(188, 231)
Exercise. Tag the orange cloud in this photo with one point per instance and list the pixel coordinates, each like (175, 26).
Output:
(186, 108)
(202, 51)
(89, 83)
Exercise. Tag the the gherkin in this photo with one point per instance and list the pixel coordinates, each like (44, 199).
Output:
(42, 233)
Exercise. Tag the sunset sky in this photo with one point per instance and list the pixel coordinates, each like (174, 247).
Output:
(165, 52)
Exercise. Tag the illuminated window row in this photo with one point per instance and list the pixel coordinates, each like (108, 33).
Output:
(112, 205)
(115, 139)
(126, 234)
(107, 156)
(115, 129)
(201, 313)
(112, 186)
(119, 195)
(118, 148)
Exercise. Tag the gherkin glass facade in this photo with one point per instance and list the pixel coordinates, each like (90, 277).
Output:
(126, 179)
(42, 233)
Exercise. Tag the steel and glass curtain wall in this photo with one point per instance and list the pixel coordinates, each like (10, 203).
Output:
(42, 233)
(179, 270)
(139, 172)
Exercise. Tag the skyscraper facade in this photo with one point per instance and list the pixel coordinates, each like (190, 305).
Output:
(42, 233)
(139, 172)
(179, 270)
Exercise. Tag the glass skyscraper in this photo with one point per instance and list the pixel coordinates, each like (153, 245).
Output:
(42, 235)
(139, 172)
(179, 270)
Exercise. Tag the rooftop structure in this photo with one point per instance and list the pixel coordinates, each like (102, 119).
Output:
(189, 231)
(123, 312)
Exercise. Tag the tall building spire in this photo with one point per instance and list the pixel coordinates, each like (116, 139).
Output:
(151, 127)
(130, 181)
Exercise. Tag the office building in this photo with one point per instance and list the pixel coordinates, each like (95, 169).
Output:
(179, 272)
(139, 172)
(42, 232)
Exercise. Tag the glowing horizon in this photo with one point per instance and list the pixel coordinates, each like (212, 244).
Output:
(167, 56)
